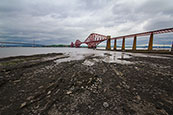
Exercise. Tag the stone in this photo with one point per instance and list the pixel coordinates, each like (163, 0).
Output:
(49, 92)
(118, 87)
(16, 81)
(22, 105)
(105, 104)
(69, 92)
(138, 97)
(30, 97)
(40, 87)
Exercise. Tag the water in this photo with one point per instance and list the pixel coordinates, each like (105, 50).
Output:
(21, 51)
(75, 54)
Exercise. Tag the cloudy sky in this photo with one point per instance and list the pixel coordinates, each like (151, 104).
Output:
(62, 21)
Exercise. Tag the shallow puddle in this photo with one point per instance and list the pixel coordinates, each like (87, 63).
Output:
(97, 56)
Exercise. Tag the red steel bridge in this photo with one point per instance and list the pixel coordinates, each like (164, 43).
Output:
(94, 39)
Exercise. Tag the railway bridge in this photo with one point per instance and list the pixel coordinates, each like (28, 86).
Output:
(94, 39)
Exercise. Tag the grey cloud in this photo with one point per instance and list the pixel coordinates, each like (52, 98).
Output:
(62, 22)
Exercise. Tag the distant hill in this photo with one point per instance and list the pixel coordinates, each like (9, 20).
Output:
(60, 45)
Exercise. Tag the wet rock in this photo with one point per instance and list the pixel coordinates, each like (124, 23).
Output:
(107, 54)
(136, 68)
(16, 81)
(70, 84)
(69, 92)
(29, 98)
(40, 87)
(88, 63)
(118, 87)
(48, 92)
(105, 104)
(22, 105)
(138, 97)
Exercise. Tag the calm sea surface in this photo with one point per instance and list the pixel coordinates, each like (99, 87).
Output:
(18, 51)
(73, 53)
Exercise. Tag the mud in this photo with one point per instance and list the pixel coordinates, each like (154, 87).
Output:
(38, 85)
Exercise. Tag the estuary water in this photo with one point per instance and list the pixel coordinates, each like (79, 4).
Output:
(74, 54)
(26, 51)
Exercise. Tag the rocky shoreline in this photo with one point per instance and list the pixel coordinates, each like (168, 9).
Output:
(33, 85)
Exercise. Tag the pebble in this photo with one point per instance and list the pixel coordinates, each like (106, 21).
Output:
(22, 105)
(105, 104)
(49, 92)
(118, 87)
(16, 81)
(69, 92)
(138, 97)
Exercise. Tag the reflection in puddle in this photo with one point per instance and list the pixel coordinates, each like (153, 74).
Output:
(98, 56)
(117, 57)
(102, 56)
(89, 62)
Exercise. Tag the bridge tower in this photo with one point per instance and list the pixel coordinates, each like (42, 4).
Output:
(123, 44)
(134, 43)
(72, 44)
(172, 48)
(108, 45)
(150, 46)
(115, 44)
(78, 43)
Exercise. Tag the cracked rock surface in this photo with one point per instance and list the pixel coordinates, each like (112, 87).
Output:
(35, 86)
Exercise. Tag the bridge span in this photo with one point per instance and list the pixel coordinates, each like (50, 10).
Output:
(94, 39)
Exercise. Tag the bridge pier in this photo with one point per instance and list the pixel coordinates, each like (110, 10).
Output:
(115, 44)
(172, 48)
(134, 44)
(72, 45)
(150, 46)
(108, 45)
(123, 44)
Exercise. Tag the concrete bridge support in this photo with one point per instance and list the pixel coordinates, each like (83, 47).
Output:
(123, 44)
(108, 45)
(134, 44)
(150, 46)
(115, 44)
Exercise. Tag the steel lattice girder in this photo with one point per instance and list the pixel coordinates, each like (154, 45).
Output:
(94, 39)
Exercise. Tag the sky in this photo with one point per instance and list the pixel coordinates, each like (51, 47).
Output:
(62, 22)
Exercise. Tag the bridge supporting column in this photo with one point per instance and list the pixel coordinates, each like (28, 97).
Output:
(134, 44)
(108, 45)
(150, 46)
(115, 44)
(123, 44)
(172, 48)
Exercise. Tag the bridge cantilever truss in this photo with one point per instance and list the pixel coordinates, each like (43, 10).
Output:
(94, 39)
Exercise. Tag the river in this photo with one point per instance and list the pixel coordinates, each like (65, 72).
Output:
(73, 53)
